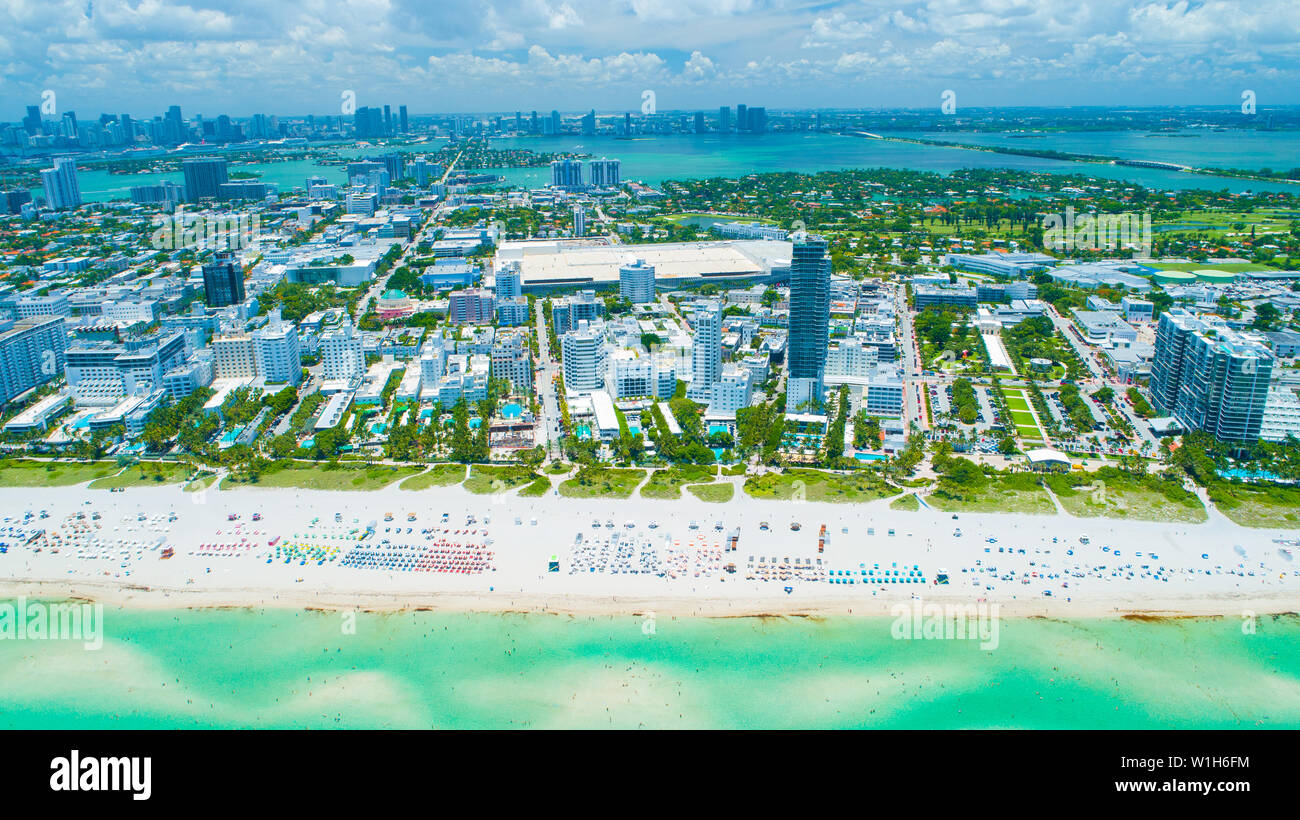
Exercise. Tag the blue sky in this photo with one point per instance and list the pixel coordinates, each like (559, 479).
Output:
(246, 56)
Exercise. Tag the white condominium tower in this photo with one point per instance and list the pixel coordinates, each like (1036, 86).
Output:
(341, 354)
(706, 352)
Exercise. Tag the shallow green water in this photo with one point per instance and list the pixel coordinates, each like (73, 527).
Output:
(278, 668)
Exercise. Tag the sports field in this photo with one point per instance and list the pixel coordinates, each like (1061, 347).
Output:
(1021, 416)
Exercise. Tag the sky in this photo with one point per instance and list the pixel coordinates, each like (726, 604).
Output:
(241, 57)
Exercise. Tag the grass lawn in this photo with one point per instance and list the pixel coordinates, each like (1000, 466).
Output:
(1017, 492)
(307, 476)
(537, 489)
(668, 483)
(1111, 493)
(717, 493)
(907, 502)
(558, 467)
(1258, 505)
(485, 479)
(816, 485)
(145, 474)
(203, 481)
(602, 482)
(28, 473)
(439, 475)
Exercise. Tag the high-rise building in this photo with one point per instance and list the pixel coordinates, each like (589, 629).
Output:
(233, 357)
(388, 121)
(61, 188)
(589, 124)
(341, 354)
(579, 221)
(742, 117)
(511, 360)
(566, 313)
(699, 122)
(566, 174)
(223, 282)
(204, 177)
(606, 173)
(555, 122)
(757, 120)
(395, 164)
(12, 201)
(1210, 377)
(584, 358)
(724, 119)
(471, 306)
(173, 126)
(810, 314)
(277, 352)
(368, 123)
(164, 192)
(32, 352)
(636, 282)
(706, 351)
(32, 122)
(507, 283)
(402, 119)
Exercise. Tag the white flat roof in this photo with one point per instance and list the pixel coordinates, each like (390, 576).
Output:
(998, 355)
(603, 408)
(561, 262)
(1046, 455)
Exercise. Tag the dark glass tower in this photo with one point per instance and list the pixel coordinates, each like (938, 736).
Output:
(810, 316)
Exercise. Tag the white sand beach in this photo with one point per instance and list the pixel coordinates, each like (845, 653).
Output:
(1037, 566)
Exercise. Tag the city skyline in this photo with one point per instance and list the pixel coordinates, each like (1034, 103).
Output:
(244, 59)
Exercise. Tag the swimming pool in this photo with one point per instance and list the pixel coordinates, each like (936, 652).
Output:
(871, 457)
(512, 411)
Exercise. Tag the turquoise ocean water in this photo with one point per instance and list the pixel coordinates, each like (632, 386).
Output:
(283, 668)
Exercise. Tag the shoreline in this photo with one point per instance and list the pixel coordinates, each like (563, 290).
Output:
(397, 602)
